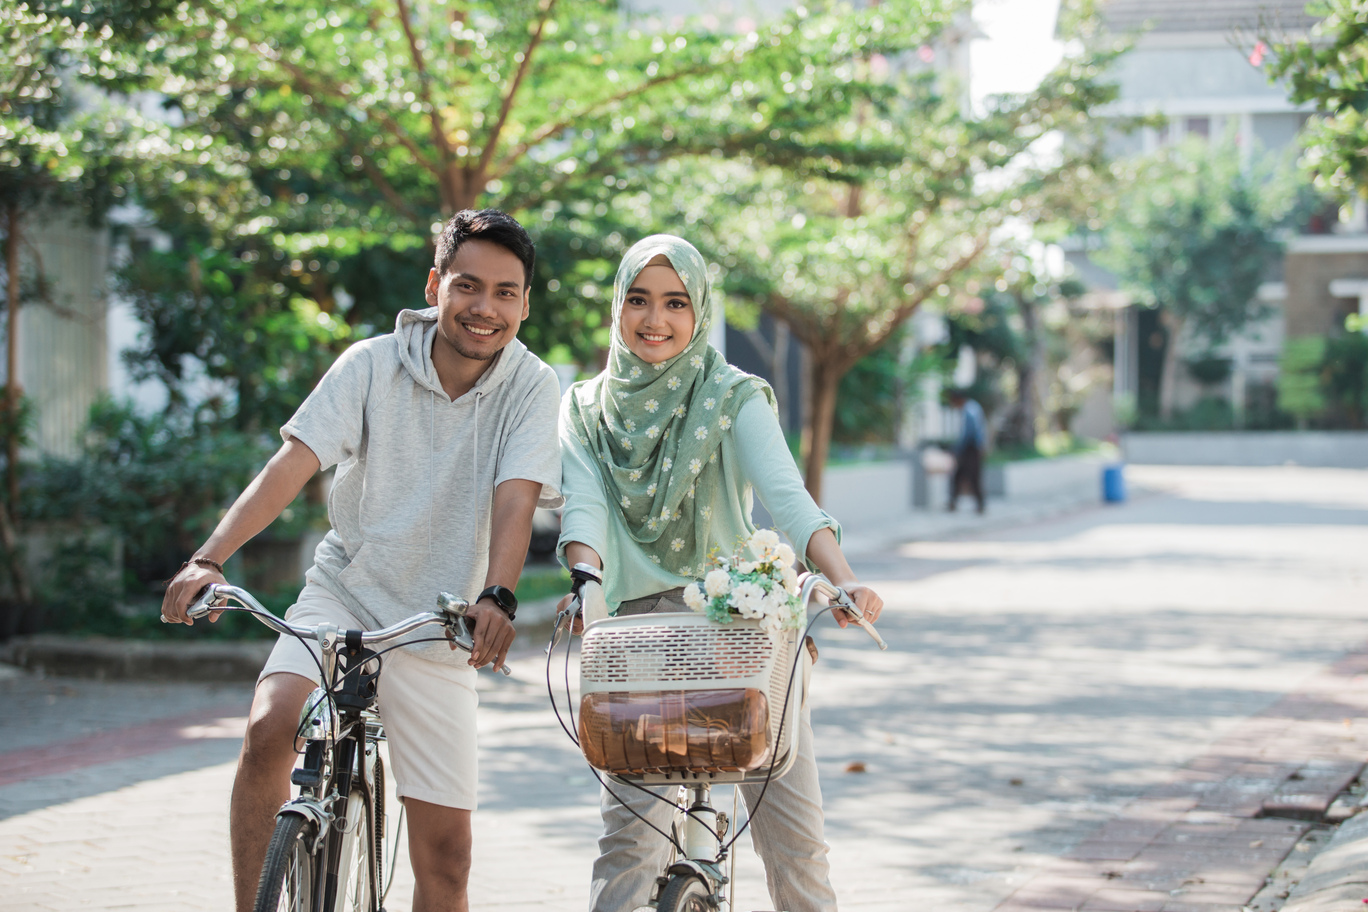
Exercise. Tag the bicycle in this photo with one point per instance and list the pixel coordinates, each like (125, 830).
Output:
(327, 851)
(678, 699)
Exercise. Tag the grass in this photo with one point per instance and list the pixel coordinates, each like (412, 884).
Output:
(1050, 445)
(541, 581)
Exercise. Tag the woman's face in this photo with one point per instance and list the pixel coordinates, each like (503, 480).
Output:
(657, 315)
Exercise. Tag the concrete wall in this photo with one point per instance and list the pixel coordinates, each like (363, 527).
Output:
(868, 493)
(1073, 477)
(62, 355)
(1342, 449)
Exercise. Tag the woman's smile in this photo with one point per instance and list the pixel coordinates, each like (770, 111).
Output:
(657, 315)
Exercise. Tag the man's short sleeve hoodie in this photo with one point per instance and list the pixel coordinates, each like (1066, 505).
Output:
(416, 472)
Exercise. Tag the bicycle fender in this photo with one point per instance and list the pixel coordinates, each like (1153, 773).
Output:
(308, 808)
(711, 873)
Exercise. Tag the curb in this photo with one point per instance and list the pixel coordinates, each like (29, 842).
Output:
(1337, 878)
(114, 659)
(109, 659)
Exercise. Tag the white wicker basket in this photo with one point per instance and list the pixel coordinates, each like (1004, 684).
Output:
(674, 653)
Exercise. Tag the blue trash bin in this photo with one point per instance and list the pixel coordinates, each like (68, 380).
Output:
(1114, 483)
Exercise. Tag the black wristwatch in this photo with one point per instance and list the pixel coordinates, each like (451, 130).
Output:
(504, 598)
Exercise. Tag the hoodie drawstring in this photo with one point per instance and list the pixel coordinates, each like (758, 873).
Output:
(432, 462)
(475, 478)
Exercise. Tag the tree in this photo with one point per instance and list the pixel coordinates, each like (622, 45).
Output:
(1328, 68)
(1193, 236)
(845, 255)
(334, 139)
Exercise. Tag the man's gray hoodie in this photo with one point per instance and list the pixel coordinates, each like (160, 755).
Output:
(416, 472)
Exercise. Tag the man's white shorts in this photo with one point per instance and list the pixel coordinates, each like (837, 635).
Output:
(428, 708)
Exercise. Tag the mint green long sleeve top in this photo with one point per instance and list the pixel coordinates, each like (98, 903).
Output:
(754, 459)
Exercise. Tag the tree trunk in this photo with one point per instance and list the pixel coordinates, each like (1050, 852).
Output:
(781, 376)
(826, 377)
(1168, 377)
(1021, 428)
(12, 389)
(9, 515)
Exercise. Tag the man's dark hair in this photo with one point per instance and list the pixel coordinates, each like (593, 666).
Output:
(485, 225)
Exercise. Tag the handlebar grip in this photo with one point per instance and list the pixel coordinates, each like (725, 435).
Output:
(205, 601)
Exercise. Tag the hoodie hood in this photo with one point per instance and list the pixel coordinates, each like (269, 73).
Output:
(415, 331)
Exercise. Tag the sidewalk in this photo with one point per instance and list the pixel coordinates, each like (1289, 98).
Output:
(1210, 838)
(858, 539)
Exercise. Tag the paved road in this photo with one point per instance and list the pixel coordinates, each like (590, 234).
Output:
(1040, 679)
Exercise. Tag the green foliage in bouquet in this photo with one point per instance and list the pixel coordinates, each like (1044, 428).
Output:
(757, 582)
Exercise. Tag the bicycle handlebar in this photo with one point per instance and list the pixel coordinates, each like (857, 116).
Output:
(452, 617)
(811, 583)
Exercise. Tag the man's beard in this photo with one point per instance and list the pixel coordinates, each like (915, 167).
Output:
(460, 346)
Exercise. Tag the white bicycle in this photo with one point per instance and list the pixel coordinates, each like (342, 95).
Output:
(676, 699)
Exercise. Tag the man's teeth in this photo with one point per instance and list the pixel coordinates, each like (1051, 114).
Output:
(480, 331)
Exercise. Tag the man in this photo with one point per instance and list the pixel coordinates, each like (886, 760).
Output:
(968, 450)
(444, 437)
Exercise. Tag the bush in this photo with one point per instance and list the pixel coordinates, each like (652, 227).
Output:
(1324, 381)
(154, 486)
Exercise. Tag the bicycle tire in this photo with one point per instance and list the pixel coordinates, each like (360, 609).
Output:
(356, 887)
(378, 825)
(288, 875)
(686, 893)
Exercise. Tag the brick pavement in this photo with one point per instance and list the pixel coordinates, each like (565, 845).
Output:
(1207, 840)
(219, 723)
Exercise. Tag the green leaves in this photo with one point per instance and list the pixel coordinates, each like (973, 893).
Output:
(1330, 69)
(1194, 234)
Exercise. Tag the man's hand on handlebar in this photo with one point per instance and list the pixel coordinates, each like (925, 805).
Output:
(184, 588)
(866, 599)
(491, 631)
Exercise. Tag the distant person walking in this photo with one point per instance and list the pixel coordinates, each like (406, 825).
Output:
(968, 451)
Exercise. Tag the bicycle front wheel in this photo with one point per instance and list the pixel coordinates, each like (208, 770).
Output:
(356, 880)
(686, 893)
(287, 877)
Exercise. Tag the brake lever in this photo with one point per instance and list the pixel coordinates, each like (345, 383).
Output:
(565, 620)
(857, 616)
(464, 637)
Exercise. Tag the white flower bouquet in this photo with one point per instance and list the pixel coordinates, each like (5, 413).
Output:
(758, 581)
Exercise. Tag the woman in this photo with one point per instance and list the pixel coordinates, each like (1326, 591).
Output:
(660, 454)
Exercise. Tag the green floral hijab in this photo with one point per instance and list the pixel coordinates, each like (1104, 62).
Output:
(656, 429)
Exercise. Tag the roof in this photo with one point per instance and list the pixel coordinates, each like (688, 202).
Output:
(1171, 16)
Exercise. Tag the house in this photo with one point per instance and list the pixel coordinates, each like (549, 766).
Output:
(1199, 66)
(63, 355)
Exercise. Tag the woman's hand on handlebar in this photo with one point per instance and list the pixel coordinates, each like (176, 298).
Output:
(184, 588)
(577, 622)
(866, 599)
